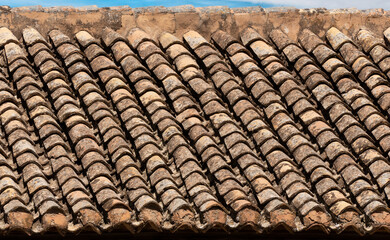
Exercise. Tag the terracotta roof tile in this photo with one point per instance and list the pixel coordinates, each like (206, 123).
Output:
(167, 133)
(287, 128)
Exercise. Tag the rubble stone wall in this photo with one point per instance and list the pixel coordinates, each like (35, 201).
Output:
(206, 20)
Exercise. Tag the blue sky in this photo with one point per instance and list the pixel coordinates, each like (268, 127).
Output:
(330, 4)
(133, 3)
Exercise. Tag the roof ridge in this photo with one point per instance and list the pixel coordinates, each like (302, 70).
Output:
(189, 8)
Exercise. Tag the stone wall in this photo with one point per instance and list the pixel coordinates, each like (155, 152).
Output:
(178, 20)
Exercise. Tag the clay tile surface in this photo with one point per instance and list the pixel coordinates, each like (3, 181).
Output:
(156, 125)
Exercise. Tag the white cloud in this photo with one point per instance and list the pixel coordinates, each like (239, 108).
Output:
(19, 3)
(330, 4)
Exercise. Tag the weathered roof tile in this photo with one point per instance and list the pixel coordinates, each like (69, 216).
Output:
(185, 134)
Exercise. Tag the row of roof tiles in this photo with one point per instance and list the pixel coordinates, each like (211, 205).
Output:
(176, 135)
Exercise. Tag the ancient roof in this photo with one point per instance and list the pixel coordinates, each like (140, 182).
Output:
(254, 133)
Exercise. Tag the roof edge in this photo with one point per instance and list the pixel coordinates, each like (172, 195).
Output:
(191, 8)
(180, 19)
